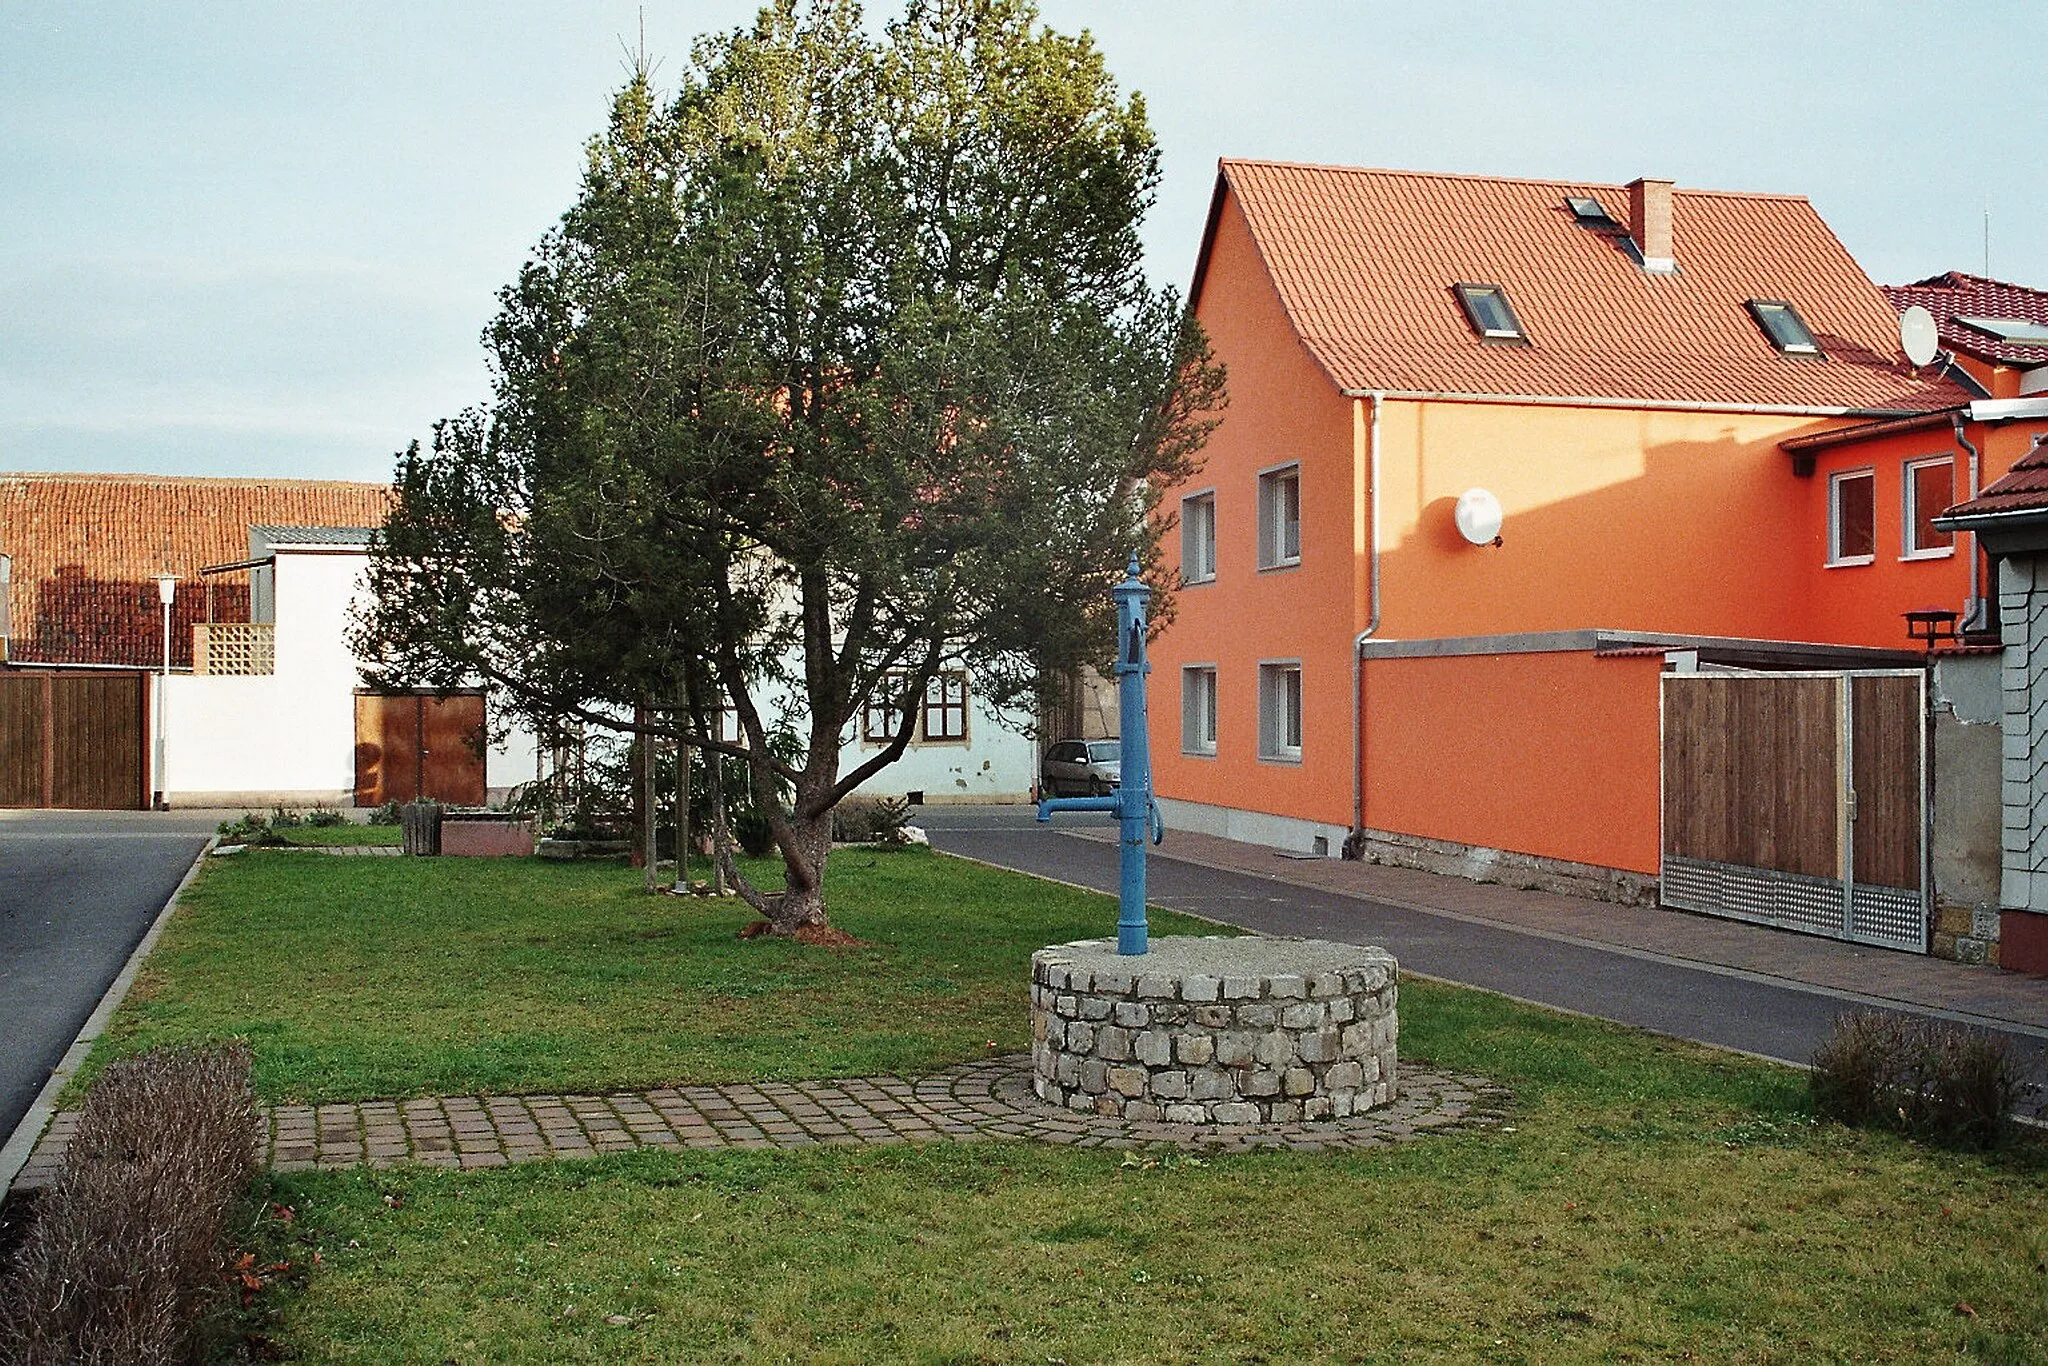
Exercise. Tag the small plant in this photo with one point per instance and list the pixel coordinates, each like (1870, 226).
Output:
(325, 818)
(386, 814)
(870, 820)
(128, 1253)
(251, 829)
(1924, 1078)
(284, 818)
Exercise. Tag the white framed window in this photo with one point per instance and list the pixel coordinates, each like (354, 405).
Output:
(1930, 488)
(1280, 711)
(1198, 537)
(938, 718)
(1280, 517)
(881, 720)
(1852, 517)
(1198, 709)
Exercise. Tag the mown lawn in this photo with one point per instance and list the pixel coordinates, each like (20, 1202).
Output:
(1648, 1200)
(310, 836)
(357, 978)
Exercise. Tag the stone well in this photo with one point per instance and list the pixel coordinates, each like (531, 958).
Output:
(1214, 1030)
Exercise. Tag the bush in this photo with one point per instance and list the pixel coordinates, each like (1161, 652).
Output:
(250, 829)
(750, 829)
(325, 817)
(282, 818)
(1924, 1078)
(865, 820)
(386, 814)
(128, 1252)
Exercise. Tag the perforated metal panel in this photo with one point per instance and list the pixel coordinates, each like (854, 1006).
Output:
(1891, 917)
(1790, 901)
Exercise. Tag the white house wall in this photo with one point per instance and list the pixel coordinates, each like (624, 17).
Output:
(288, 738)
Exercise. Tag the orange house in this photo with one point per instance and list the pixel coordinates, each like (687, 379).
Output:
(1498, 453)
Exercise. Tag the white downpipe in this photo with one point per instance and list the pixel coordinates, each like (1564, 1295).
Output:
(1372, 625)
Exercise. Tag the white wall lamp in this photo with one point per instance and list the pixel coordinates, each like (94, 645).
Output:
(1478, 515)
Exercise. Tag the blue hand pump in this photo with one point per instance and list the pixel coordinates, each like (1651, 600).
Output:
(1132, 801)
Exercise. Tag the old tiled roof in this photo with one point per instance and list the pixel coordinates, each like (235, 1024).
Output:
(1957, 295)
(2023, 488)
(85, 548)
(1365, 261)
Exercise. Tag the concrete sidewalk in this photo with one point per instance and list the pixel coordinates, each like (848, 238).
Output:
(1928, 984)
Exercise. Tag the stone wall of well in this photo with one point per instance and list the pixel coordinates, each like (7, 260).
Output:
(1196, 1049)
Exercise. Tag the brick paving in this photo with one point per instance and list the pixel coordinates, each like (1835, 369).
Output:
(973, 1101)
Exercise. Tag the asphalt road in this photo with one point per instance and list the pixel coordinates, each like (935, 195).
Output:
(78, 890)
(1765, 1016)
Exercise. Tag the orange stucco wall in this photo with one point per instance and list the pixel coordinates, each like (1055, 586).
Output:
(1548, 754)
(1282, 408)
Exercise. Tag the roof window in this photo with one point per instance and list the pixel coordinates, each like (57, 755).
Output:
(1783, 325)
(1486, 308)
(1591, 213)
(2020, 331)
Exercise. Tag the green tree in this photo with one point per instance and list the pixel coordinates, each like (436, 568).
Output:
(841, 372)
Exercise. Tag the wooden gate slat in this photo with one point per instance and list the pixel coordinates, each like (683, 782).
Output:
(21, 739)
(1888, 759)
(1749, 773)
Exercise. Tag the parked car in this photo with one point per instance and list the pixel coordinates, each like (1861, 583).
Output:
(1081, 768)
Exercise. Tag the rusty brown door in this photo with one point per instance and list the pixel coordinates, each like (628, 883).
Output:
(1799, 800)
(73, 741)
(414, 746)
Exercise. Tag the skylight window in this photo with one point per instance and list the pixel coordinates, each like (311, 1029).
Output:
(2020, 331)
(1486, 308)
(1591, 213)
(1783, 325)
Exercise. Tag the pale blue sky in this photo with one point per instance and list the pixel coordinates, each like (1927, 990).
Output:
(263, 239)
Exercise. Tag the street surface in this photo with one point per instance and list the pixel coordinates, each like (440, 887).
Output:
(78, 890)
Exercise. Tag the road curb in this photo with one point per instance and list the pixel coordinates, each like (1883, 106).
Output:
(14, 1156)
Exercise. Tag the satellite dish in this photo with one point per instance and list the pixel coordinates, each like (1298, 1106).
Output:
(1478, 516)
(1918, 335)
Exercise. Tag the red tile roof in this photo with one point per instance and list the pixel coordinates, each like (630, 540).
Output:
(84, 548)
(1365, 261)
(1956, 295)
(2023, 488)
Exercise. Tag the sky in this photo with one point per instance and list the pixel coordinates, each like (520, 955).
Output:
(242, 239)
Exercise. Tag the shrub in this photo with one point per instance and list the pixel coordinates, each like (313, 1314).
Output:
(282, 818)
(386, 814)
(325, 817)
(750, 829)
(250, 829)
(863, 820)
(1925, 1078)
(128, 1252)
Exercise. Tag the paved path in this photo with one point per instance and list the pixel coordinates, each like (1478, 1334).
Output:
(77, 892)
(973, 1101)
(1763, 991)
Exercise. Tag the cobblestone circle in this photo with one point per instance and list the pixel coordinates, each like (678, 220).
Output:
(965, 1103)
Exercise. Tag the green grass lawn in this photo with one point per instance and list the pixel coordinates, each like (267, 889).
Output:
(359, 978)
(1648, 1200)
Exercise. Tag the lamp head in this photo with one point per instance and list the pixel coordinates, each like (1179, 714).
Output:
(166, 588)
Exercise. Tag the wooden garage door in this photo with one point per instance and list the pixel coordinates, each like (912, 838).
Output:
(415, 746)
(73, 741)
(1799, 800)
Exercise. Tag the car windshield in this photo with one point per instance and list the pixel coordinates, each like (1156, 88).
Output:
(1105, 752)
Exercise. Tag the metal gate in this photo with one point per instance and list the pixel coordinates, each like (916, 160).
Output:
(72, 740)
(1799, 800)
(411, 746)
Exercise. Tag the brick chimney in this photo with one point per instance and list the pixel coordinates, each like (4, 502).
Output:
(1649, 217)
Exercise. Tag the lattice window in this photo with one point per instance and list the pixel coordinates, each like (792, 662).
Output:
(224, 647)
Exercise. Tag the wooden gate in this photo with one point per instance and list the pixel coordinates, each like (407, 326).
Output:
(415, 746)
(1799, 800)
(73, 741)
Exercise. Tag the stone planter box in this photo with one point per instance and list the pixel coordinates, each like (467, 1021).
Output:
(1212, 1030)
(465, 836)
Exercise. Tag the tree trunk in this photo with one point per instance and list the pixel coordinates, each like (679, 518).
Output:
(682, 883)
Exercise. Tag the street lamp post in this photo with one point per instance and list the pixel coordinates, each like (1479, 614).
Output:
(166, 594)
